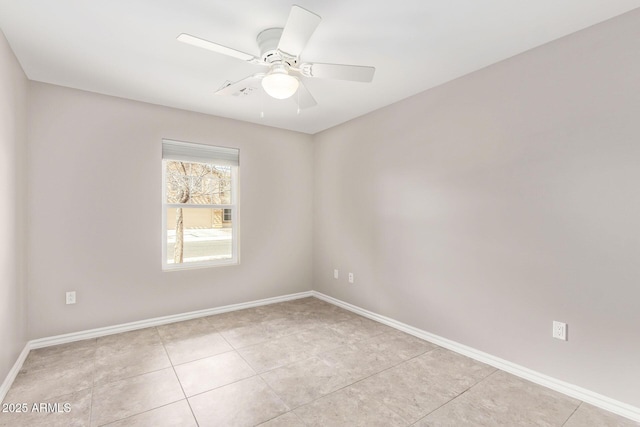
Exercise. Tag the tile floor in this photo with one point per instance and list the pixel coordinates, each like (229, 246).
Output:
(297, 363)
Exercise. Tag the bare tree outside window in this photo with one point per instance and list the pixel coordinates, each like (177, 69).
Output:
(196, 185)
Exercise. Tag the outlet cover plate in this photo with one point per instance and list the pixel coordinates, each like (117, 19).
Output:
(71, 297)
(560, 330)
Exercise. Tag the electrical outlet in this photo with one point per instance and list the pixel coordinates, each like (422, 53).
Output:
(335, 273)
(71, 297)
(350, 277)
(560, 330)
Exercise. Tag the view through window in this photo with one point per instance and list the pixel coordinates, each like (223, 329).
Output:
(200, 215)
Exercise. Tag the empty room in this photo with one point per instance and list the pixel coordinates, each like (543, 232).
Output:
(266, 213)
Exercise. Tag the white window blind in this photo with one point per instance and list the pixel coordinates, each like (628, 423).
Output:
(200, 153)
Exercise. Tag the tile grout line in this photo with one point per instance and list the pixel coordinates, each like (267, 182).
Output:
(173, 368)
(574, 411)
(260, 342)
(299, 331)
(259, 374)
(373, 374)
(256, 375)
(234, 350)
(362, 379)
(139, 413)
(208, 319)
(457, 396)
(134, 376)
(93, 380)
(220, 386)
(279, 397)
(317, 356)
(73, 391)
(204, 357)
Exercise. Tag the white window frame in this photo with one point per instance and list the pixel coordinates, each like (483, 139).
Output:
(235, 223)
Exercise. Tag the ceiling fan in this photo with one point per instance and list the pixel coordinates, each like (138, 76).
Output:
(280, 50)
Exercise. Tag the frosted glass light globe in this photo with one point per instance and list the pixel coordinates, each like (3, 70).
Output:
(279, 84)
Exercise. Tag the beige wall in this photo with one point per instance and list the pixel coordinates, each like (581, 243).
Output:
(95, 170)
(13, 141)
(486, 208)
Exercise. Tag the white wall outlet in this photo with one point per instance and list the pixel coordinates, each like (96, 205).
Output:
(71, 297)
(560, 330)
(335, 273)
(350, 277)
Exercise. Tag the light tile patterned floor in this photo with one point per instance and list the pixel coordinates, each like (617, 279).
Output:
(297, 363)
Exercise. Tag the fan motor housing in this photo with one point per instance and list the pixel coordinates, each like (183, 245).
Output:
(268, 43)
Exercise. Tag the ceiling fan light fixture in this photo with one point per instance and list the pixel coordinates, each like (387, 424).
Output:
(279, 84)
(280, 49)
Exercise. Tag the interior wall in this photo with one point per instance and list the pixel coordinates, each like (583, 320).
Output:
(486, 208)
(13, 147)
(94, 211)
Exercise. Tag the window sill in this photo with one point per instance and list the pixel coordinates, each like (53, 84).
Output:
(198, 265)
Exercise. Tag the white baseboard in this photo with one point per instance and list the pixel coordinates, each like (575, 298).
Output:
(125, 327)
(588, 396)
(157, 321)
(13, 373)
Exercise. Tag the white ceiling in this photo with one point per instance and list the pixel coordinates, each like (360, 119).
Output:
(128, 48)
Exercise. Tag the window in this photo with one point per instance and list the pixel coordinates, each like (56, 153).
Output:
(199, 205)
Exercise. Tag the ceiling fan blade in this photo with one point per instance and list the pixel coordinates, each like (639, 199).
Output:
(297, 31)
(303, 97)
(206, 44)
(354, 73)
(242, 87)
